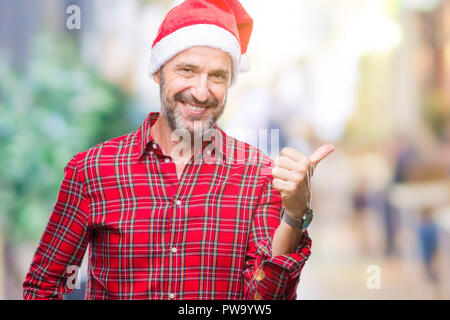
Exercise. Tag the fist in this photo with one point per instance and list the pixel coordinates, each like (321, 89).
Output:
(290, 177)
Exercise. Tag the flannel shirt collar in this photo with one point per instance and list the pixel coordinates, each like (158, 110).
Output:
(144, 138)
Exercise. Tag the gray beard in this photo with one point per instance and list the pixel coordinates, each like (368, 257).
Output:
(175, 119)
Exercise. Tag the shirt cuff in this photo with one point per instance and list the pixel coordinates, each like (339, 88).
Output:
(291, 263)
(277, 277)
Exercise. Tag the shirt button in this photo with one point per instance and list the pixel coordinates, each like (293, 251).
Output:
(171, 295)
(166, 160)
(174, 250)
(259, 276)
(155, 146)
(178, 202)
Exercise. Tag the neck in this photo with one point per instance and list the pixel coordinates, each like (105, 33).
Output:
(162, 133)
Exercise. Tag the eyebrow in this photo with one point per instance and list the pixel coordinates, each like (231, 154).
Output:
(187, 65)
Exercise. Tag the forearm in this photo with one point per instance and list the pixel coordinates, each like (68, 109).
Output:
(285, 239)
(63, 242)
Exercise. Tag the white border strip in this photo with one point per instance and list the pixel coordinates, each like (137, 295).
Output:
(195, 35)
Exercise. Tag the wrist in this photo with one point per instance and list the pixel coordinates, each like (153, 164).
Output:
(296, 211)
(298, 223)
(289, 228)
(286, 239)
(296, 214)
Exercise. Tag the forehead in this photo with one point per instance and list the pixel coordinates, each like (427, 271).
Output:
(213, 57)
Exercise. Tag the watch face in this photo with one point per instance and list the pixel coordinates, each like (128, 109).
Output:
(308, 219)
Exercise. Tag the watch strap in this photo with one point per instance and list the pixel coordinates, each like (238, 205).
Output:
(299, 224)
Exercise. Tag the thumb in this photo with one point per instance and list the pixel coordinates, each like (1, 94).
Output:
(321, 153)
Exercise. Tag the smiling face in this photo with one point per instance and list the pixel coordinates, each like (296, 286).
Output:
(193, 88)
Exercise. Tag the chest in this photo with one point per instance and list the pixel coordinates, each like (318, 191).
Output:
(158, 195)
(180, 164)
(149, 210)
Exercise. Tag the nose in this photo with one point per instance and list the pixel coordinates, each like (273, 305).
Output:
(200, 89)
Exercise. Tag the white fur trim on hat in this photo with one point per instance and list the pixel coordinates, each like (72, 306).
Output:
(244, 63)
(195, 35)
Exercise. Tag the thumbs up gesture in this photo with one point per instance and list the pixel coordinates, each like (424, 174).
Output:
(290, 177)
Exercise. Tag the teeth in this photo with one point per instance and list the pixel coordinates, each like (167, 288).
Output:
(194, 108)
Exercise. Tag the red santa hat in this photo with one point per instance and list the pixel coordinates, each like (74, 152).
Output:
(222, 24)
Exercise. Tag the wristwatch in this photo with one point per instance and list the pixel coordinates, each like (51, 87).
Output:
(299, 224)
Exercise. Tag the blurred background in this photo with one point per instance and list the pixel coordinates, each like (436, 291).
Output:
(371, 77)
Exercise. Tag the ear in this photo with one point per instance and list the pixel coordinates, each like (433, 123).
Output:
(156, 76)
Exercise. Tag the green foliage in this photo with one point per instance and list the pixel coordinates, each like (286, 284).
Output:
(57, 108)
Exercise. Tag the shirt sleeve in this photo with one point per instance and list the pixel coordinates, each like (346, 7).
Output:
(63, 243)
(268, 277)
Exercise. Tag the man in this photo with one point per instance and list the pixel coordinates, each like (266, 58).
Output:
(192, 219)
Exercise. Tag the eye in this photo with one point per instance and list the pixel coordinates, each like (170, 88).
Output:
(219, 76)
(186, 72)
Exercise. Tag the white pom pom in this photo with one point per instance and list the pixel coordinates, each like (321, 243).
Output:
(244, 63)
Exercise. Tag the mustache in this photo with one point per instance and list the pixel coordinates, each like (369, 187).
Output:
(189, 98)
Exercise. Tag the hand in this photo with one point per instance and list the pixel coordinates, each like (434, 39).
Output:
(289, 173)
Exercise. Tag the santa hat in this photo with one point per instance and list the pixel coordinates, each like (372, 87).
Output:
(222, 24)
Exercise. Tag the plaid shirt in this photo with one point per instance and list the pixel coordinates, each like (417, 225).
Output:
(152, 235)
